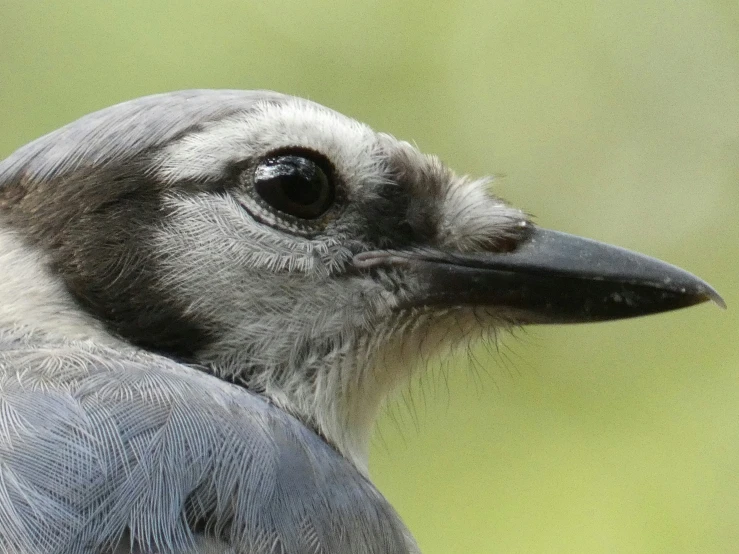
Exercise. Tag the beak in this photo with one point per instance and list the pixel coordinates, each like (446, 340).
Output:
(550, 277)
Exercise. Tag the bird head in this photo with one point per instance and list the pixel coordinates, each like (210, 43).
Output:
(289, 249)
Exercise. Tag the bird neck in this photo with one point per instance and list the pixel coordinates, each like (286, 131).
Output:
(339, 396)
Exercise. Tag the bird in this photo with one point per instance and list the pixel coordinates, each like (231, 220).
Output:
(207, 298)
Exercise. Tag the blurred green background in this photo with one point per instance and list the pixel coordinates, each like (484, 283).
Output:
(616, 120)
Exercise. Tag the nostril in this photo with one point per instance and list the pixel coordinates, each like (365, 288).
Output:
(513, 240)
(506, 244)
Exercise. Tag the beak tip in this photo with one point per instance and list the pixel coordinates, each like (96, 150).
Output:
(711, 294)
(701, 292)
(694, 290)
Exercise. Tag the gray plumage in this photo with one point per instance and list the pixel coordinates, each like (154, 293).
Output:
(102, 449)
(207, 296)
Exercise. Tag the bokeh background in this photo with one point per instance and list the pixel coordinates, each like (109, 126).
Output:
(618, 120)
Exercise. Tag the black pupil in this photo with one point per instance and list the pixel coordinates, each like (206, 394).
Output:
(295, 185)
(301, 190)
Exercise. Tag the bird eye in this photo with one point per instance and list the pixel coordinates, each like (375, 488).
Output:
(295, 185)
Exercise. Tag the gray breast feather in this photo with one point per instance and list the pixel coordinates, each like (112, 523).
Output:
(99, 447)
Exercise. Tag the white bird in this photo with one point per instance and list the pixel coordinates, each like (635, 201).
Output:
(205, 299)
